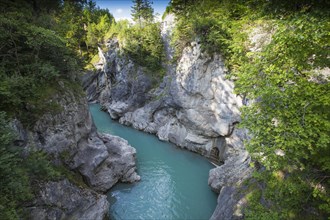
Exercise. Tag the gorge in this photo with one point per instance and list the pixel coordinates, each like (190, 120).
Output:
(219, 110)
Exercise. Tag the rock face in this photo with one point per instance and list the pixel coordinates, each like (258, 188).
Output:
(194, 107)
(227, 180)
(63, 200)
(70, 137)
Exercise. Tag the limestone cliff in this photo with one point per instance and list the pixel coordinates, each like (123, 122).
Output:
(71, 139)
(193, 107)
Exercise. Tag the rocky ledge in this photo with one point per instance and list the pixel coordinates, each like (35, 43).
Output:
(71, 139)
(104, 160)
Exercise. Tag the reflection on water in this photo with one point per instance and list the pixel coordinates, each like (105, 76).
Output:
(173, 181)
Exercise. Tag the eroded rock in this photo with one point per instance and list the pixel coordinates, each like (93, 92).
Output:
(104, 160)
(64, 200)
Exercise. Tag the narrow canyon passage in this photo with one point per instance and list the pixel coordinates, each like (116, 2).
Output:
(173, 181)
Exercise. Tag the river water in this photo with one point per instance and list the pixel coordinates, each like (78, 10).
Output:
(173, 181)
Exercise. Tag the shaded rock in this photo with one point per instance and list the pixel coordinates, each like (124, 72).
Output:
(94, 155)
(167, 27)
(227, 180)
(97, 85)
(21, 138)
(235, 170)
(56, 133)
(63, 200)
(231, 202)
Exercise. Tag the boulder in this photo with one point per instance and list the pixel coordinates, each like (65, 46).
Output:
(104, 160)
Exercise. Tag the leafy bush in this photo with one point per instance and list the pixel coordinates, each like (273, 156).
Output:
(14, 181)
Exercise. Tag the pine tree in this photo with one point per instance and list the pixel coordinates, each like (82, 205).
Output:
(147, 11)
(142, 11)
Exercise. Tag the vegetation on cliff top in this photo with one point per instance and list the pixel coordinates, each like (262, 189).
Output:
(141, 41)
(43, 43)
(288, 111)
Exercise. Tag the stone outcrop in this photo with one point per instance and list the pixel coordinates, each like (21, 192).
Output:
(70, 138)
(63, 200)
(227, 181)
(104, 160)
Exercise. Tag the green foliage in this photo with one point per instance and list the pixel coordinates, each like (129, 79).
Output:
(168, 10)
(13, 180)
(95, 59)
(28, 49)
(37, 48)
(83, 25)
(117, 29)
(142, 11)
(212, 23)
(32, 58)
(70, 24)
(182, 7)
(288, 117)
(96, 31)
(98, 23)
(39, 167)
(291, 115)
(143, 45)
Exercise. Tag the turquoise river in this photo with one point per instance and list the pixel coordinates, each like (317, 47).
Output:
(173, 181)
